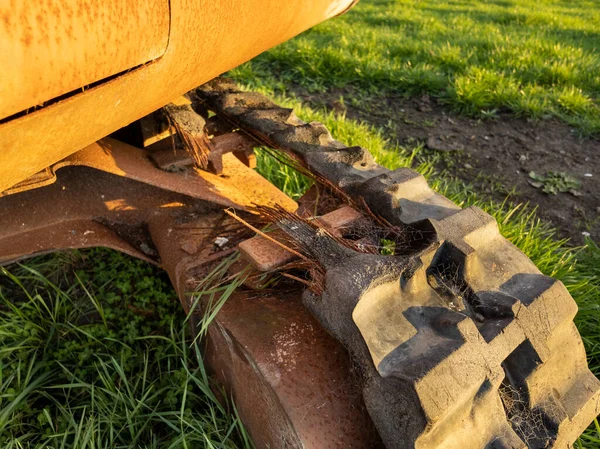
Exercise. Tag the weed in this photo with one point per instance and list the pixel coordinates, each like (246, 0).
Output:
(489, 113)
(387, 247)
(555, 182)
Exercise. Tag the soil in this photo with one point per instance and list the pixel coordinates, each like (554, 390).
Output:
(493, 155)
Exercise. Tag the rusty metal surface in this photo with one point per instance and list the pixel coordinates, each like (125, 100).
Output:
(83, 208)
(115, 182)
(339, 220)
(185, 243)
(292, 383)
(241, 188)
(239, 144)
(52, 47)
(67, 234)
(177, 137)
(205, 40)
(266, 255)
(172, 160)
(39, 179)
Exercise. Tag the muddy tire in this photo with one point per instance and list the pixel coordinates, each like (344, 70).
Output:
(461, 341)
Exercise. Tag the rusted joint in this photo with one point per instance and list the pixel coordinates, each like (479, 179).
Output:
(241, 146)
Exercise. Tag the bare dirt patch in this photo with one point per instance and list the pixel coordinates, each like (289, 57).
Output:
(494, 155)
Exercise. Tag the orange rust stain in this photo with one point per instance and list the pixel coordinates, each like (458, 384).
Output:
(174, 204)
(68, 11)
(26, 39)
(6, 19)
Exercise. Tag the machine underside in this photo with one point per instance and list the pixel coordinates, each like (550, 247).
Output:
(453, 339)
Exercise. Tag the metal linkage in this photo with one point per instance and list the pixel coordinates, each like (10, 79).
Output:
(178, 137)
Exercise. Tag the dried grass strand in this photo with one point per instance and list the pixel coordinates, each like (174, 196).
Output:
(266, 236)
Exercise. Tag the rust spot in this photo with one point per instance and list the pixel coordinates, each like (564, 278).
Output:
(42, 28)
(68, 11)
(26, 39)
(6, 18)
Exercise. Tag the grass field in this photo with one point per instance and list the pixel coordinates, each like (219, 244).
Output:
(535, 58)
(95, 352)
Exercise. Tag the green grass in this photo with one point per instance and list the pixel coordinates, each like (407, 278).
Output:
(95, 352)
(537, 58)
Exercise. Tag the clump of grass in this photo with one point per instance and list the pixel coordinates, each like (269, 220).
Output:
(290, 181)
(99, 357)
